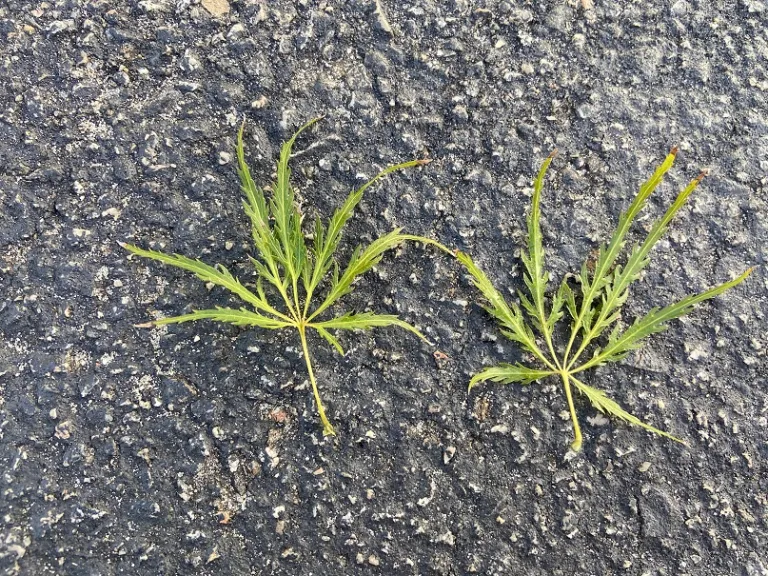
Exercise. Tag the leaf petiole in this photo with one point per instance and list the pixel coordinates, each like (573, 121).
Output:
(327, 427)
(577, 439)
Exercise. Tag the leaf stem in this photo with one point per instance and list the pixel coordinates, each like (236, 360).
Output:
(584, 343)
(327, 427)
(287, 300)
(576, 444)
(308, 300)
(296, 299)
(574, 332)
(547, 334)
(535, 262)
(586, 366)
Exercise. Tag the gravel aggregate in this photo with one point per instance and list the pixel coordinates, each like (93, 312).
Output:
(195, 449)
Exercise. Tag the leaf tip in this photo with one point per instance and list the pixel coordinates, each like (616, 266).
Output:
(674, 151)
(145, 325)
(748, 272)
(474, 381)
(701, 176)
(552, 154)
(313, 121)
(423, 161)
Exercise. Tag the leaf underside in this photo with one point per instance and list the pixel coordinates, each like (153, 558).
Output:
(595, 333)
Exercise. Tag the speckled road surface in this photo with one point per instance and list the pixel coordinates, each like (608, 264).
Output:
(195, 449)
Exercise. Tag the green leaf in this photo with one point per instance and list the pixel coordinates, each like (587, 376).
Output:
(255, 206)
(607, 255)
(267, 274)
(287, 219)
(219, 276)
(509, 373)
(284, 265)
(360, 262)
(605, 405)
(617, 291)
(535, 277)
(562, 297)
(570, 299)
(330, 338)
(328, 241)
(510, 317)
(301, 261)
(428, 242)
(366, 321)
(655, 321)
(604, 290)
(241, 317)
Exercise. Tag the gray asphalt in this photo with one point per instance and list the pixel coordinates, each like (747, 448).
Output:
(196, 449)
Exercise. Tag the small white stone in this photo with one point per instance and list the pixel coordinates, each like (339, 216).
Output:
(114, 212)
(236, 30)
(259, 103)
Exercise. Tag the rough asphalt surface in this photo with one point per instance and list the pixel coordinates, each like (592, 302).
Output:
(196, 449)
